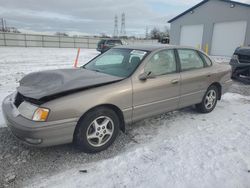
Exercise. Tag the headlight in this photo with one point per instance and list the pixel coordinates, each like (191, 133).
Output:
(33, 112)
(235, 57)
(27, 109)
(41, 114)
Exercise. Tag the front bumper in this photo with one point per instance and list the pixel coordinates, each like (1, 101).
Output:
(37, 133)
(235, 64)
(240, 71)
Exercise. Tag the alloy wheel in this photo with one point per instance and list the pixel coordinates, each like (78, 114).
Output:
(100, 131)
(210, 99)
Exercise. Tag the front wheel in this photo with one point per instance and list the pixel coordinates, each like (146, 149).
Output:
(209, 100)
(97, 130)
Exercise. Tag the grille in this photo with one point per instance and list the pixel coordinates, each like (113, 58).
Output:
(18, 100)
(244, 59)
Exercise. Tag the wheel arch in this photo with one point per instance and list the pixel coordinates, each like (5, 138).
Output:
(116, 109)
(219, 87)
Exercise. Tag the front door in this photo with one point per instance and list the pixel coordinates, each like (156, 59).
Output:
(160, 92)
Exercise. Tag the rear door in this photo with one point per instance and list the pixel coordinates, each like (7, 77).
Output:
(195, 77)
(161, 92)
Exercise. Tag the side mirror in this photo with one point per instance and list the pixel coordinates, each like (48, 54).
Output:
(146, 75)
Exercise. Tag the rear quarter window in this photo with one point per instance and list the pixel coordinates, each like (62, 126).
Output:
(207, 60)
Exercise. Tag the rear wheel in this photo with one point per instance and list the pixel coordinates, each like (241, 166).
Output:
(209, 100)
(97, 130)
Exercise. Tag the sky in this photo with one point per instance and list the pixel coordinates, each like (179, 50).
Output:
(91, 17)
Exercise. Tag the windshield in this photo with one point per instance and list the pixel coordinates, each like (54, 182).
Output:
(117, 62)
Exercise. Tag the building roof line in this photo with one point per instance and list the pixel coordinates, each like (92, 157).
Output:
(203, 2)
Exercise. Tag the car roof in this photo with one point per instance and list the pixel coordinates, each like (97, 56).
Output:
(153, 47)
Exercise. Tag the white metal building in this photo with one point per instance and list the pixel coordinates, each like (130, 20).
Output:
(216, 26)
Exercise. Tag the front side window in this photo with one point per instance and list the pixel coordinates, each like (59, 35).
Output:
(190, 60)
(161, 63)
(117, 62)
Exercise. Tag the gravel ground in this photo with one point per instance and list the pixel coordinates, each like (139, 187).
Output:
(19, 163)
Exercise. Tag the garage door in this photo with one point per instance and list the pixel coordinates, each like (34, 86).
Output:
(227, 36)
(191, 35)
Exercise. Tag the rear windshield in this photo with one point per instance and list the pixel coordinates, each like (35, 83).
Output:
(101, 42)
(117, 62)
(114, 42)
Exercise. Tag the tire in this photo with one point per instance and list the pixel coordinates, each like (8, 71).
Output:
(97, 130)
(209, 100)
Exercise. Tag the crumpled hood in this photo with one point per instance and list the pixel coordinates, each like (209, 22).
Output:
(53, 82)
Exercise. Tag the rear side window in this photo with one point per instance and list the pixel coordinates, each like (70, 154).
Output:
(101, 42)
(207, 60)
(118, 42)
(161, 63)
(190, 59)
(114, 42)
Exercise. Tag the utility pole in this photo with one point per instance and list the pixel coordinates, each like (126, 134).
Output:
(2, 25)
(123, 27)
(146, 32)
(5, 25)
(116, 26)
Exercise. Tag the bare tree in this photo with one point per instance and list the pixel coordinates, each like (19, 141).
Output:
(155, 33)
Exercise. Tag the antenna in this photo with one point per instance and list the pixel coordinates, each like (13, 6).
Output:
(123, 29)
(116, 27)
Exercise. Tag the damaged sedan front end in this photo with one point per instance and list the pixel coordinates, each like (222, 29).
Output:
(240, 63)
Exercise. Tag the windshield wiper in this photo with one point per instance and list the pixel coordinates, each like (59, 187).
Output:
(96, 70)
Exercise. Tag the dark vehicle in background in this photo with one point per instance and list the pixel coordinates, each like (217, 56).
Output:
(240, 63)
(164, 40)
(106, 44)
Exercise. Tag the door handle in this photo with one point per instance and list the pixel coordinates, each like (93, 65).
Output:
(175, 81)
